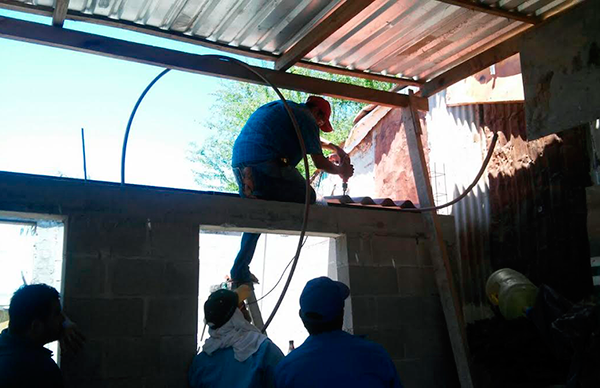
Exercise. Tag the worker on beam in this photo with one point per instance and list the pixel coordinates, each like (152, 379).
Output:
(265, 156)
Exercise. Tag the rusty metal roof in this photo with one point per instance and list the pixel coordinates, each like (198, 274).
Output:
(411, 39)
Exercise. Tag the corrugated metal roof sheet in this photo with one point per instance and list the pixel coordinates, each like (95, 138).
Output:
(410, 38)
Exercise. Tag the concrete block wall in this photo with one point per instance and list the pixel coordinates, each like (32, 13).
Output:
(131, 275)
(131, 284)
(394, 301)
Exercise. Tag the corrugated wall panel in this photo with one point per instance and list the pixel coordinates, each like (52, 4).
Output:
(526, 213)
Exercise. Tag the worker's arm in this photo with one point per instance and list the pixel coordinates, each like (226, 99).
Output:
(344, 169)
(332, 147)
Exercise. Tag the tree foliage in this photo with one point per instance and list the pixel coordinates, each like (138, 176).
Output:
(234, 103)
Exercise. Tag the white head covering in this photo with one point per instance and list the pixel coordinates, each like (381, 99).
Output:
(243, 337)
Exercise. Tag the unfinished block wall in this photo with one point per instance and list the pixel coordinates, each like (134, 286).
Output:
(131, 275)
(394, 301)
(131, 285)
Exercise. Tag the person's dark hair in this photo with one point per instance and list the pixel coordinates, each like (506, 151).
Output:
(315, 327)
(28, 303)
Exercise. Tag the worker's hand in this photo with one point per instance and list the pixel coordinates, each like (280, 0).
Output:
(346, 169)
(71, 340)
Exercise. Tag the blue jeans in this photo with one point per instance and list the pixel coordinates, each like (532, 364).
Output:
(274, 181)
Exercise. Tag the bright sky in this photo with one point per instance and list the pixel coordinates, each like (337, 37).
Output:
(47, 95)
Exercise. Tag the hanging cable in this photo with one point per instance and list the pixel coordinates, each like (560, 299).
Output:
(294, 260)
(468, 189)
(131, 116)
(302, 147)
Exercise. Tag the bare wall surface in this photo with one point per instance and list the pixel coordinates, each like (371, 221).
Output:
(131, 277)
(561, 71)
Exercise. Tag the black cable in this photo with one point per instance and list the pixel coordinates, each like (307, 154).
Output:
(281, 277)
(468, 189)
(131, 116)
(302, 147)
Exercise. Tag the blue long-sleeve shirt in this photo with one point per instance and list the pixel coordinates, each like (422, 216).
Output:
(337, 359)
(221, 369)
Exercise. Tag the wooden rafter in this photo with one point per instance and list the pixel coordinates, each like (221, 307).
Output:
(174, 35)
(488, 57)
(340, 16)
(497, 11)
(60, 12)
(207, 65)
(359, 74)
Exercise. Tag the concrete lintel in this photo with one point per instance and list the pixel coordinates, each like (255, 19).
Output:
(60, 196)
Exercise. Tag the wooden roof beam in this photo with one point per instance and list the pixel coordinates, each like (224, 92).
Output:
(60, 12)
(206, 65)
(491, 56)
(496, 11)
(340, 16)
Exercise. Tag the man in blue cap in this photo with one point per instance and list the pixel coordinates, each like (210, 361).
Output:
(265, 156)
(331, 357)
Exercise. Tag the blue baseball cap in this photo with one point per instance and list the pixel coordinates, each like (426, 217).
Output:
(322, 300)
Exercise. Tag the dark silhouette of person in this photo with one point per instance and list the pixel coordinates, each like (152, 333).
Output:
(36, 318)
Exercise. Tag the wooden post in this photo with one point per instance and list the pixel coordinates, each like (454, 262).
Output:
(439, 255)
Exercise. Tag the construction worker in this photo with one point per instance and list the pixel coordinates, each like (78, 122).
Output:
(265, 156)
(331, 357)
(237, 354)
(36, 318)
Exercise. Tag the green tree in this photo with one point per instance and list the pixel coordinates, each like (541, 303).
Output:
(236, 101)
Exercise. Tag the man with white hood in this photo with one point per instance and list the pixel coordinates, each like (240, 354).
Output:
(236, 354)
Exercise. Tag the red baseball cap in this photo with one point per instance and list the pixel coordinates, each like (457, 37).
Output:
(324, 107)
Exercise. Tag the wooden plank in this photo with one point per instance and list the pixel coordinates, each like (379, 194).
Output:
(439, 256)
(342, 15)
(359, 74)
(496, 11)
(200, 64)
(60, 12)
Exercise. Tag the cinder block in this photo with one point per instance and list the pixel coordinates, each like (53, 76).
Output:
(95, 233)
(441, 372)
(124, 357)
(175, 241)
(372, 281)
(424, 255)
(411, 373)
(151, 349)
(174, 316)
(391, 340)
(84, 275)
(137, 277)
(394, 251)
(181, 278)
(359, 250)
(364, 312)
(85, 235)
(394, 311)
(101, 318)
(176, 354)
(86, 364)
(125, 383)
(425, 342)
(411, 281)
(171, 381)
